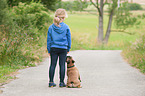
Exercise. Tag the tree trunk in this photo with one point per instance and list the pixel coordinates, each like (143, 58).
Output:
(100, 33)
(109, 27)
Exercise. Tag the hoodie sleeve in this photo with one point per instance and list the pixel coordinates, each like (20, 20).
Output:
(69, 39)
(49, 40)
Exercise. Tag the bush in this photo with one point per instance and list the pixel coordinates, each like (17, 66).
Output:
(23, 34)
(135, 54)
(3, 11)
(134, 6)
(48, 3)
(33, 14)
(72, 5)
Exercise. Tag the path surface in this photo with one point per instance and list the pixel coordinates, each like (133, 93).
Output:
(103, 73)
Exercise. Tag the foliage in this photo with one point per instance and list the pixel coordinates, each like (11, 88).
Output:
(33, 14)
(3, 11)
(22, 37)
(48, 3)
(112, 6)
(21, 34)
(80, 5)
(12, 3)
(134, 6)
(135, 54)
(124, 18)
(72, 5)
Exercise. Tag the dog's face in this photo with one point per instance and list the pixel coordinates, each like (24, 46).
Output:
(69, 60)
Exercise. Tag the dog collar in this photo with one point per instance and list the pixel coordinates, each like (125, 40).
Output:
(71, 66)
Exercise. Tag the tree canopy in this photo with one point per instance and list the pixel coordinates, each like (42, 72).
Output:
(48, 3)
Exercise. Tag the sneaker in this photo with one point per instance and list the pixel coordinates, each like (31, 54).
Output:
(51, 84)
(62, 84)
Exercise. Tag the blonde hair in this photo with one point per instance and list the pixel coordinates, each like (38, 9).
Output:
(59, 14)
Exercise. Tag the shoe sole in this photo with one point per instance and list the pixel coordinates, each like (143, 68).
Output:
(52, 86)
(62, 86)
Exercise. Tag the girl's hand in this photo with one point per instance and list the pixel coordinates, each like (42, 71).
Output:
(67, 52)
(49, 54)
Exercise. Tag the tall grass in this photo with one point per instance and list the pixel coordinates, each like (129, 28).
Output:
(135, 54)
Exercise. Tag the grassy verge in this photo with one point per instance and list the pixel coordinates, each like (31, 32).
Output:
(135, 54)
(31, 55)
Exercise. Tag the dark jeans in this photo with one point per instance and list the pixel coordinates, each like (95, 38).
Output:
(54, 54)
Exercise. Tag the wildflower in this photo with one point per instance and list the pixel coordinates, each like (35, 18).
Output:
(141, 60)
(26, 25)
(32, 38)
(3, 39)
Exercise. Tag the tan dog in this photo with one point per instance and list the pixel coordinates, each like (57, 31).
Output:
(73, 80)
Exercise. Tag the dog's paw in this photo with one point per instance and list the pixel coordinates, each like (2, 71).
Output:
(74, 87)
(68, 87)
(79, 86)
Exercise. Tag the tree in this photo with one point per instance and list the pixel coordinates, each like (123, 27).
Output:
(48, 3)
(124, 19)
(112, 7)
(111, 13)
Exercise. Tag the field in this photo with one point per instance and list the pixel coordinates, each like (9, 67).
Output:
(84, 29)
(139, 1)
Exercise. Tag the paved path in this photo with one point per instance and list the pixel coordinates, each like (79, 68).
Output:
(103, 73)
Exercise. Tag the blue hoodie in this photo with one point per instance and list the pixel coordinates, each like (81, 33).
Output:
(59, 37)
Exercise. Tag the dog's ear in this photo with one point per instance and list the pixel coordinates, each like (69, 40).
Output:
(68, 61)
(67, 57)
(73, 61)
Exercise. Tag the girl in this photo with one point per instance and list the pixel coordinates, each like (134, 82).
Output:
(58, 45)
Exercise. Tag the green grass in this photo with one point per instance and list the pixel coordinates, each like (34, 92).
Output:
(4, 71)
(84, 33)
(143, 6)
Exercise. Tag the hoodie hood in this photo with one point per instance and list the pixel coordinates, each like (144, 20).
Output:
(59, 29)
